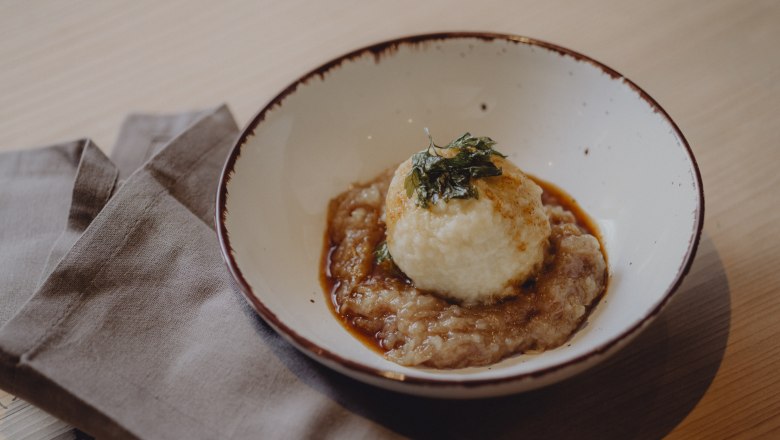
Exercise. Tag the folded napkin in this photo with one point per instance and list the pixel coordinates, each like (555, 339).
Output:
(118, 314)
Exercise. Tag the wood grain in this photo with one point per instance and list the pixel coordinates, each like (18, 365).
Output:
(710, 366)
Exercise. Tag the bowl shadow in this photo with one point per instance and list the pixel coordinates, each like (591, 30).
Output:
(643, 391)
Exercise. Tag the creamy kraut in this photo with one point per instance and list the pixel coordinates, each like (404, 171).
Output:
(471, 250)
(457, 259)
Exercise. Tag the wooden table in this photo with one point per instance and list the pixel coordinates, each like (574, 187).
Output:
(708, 368)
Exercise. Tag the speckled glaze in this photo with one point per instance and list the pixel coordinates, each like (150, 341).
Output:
(558, 115)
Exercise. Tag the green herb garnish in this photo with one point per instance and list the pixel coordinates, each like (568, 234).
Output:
(382, 254)
(434, 177)
(384, 260)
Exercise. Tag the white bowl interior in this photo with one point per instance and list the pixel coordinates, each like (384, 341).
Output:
(559, 118)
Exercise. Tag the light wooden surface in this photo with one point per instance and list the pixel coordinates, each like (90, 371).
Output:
(70, 69)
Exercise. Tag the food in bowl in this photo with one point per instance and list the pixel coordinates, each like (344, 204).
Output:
(456, 258)
(448, 239)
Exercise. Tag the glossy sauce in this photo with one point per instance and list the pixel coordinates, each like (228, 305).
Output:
(552, 195)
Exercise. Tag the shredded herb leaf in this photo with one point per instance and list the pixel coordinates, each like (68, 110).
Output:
(382, 254)
(434, 177)
(383, 259)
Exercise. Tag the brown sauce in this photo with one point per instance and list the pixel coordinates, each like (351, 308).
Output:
(374, 334)
(553, 195)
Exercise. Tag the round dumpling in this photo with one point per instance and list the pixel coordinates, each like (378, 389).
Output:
(469, 250)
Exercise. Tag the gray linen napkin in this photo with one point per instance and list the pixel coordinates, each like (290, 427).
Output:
(35, 193)
(117, 312)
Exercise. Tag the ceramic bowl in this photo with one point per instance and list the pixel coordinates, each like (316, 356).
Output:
(559, 115)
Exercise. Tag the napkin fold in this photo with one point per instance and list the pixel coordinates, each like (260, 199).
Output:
(117, 313)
